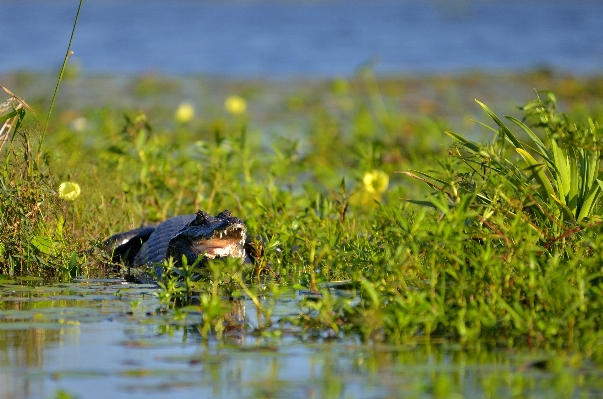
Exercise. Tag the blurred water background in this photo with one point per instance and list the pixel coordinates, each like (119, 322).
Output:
(303, 38)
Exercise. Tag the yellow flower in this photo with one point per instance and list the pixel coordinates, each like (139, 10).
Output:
(185, 113)
(69, 190)
(235, 105)
(375, 181)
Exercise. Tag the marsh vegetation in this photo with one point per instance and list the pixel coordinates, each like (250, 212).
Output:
(496, 239)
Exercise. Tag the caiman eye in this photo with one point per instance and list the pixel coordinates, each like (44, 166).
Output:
(202, 218)
(224, 214)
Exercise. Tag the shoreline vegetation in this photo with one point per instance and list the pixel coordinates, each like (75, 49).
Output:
(491, 235)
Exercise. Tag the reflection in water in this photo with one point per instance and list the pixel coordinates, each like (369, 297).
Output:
(22, 350)
(101, 347)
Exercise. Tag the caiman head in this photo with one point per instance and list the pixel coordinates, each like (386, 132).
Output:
(212, 237)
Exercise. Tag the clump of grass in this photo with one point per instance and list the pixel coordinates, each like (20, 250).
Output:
(31, 222)
(507, 249)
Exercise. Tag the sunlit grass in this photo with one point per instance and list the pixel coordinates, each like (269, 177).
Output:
(492, 259)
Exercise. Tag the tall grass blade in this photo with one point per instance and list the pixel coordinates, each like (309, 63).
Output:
(542, 150)
(563, 171)
(56, 89)
(507, 133)
(591, 200)
(466, 143)
(482, 124)
(411, 174)
(574, 190)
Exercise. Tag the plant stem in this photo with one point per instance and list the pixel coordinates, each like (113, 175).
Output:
(56, 89)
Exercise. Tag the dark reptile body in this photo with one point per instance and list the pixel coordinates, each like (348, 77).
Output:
(146, 244)
(174, 237)
(155, 248)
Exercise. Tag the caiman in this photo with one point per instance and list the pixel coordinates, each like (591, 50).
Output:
(191, 236)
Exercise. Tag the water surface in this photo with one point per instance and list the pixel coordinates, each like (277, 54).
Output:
(308, 38)
(99, 339)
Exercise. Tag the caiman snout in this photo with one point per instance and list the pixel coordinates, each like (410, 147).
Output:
(212, 237)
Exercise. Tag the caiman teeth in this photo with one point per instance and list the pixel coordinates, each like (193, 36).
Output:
(224, 243)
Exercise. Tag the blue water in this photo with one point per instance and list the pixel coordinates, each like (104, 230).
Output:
(295, 38)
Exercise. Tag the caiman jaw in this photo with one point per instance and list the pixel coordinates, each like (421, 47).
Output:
(229, 242)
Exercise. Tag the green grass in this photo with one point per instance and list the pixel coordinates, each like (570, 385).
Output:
(506, 252)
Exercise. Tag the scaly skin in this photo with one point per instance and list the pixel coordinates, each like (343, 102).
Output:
(189, 235)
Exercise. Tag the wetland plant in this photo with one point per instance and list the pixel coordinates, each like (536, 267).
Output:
(34, 240)
(507, 249)
(31, 222)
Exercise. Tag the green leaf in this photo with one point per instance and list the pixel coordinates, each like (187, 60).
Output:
(539, 173)
(563, 171)
(591, 200)
(574, 179)
(542, 150)
(428, 204)
(43, 244)
(466, 143)
(568, 214)
(441, 203)
(7, 116)
(466, 201)
(508, 135)
(589, 163)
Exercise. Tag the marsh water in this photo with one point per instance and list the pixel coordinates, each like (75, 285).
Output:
(105, 338)
(303, 38)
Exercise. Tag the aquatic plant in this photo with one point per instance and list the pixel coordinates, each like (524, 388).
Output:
(503, 257)
(553, 195)
(494, 257)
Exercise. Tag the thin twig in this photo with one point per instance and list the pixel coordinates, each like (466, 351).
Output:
(562, 236)
(548, 215)
(484, 221)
